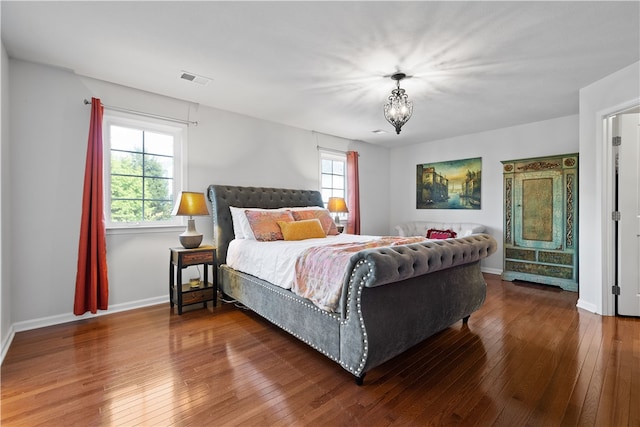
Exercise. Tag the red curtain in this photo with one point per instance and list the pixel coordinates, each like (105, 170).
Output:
(353, 193)
(92, 284)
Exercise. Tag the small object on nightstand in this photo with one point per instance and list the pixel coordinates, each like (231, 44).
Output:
(194, 291)
(194, 282)
(340, 228)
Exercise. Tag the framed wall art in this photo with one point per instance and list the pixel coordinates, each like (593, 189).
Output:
(454, 184)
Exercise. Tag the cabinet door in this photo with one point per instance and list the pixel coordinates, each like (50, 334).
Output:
(538, 210)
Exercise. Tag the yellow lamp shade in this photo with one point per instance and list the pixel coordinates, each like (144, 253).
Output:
(190, 204)
(337, 204)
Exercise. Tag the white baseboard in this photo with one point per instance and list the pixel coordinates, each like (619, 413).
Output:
(491, 270)
(587, 306)
(6, 343)
(70, 317)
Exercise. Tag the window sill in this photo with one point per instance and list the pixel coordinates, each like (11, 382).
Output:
(144, 229)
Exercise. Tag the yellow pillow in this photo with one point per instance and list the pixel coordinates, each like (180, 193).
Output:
(301, 230)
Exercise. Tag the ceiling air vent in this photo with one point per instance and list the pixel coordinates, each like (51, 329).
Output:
(201, 80)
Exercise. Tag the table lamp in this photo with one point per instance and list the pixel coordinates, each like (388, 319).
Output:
(337, 205)
(190, 204)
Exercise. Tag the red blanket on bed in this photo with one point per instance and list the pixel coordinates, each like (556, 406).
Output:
(320, 271)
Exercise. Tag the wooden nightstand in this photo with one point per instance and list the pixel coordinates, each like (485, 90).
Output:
(183, 294)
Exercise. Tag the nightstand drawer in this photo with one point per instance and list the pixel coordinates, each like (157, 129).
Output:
(192, 297)
(197, 258)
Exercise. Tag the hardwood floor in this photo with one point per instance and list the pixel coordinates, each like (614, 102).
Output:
(527, 357)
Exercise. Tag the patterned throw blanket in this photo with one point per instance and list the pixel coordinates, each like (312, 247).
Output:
(321, 270)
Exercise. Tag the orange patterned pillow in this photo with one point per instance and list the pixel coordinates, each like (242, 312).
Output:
(301, 230)
(265, 224)
(323, 215)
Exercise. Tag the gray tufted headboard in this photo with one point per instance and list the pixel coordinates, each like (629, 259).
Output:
(223, 196)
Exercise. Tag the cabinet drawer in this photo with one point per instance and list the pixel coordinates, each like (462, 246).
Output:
(556, 257)
(197, 258)
(520, 254)
(540, 269)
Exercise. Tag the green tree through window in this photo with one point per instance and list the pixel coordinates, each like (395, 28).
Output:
(136, 197)
(141, 175)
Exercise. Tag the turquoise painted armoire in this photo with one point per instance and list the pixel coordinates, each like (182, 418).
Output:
(541, 220)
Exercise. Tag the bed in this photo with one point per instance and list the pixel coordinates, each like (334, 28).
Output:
(392, 298)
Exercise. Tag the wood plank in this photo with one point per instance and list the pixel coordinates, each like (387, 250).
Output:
(527, 357)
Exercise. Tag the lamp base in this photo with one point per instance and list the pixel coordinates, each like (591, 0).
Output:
(190, 239)
(190, 242)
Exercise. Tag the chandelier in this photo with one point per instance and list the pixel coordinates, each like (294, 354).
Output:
(398, 108)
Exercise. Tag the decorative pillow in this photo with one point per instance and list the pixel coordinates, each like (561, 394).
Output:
(432, 233)
(301, 230)
(264, 224)
(323, 215)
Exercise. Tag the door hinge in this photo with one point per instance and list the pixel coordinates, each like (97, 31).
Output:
(615, 215)
(616, 141)
(615, 289)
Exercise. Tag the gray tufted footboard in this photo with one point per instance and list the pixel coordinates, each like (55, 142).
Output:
(393, 297)
(398, 296)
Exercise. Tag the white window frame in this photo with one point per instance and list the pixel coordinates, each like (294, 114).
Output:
(326, 155)
(179, 133)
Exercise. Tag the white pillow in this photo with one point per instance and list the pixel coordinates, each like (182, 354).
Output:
(240, 223)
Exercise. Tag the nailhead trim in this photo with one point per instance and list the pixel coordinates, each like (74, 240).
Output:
(365, 342)
(287, 294)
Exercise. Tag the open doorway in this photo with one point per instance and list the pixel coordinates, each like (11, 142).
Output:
(623, 132)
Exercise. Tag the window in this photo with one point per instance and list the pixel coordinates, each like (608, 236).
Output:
(333, 169)
(142, 171)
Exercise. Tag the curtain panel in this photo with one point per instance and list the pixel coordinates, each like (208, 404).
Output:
(92, 284)
(353, 193)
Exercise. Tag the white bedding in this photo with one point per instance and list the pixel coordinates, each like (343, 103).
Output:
(275, 261)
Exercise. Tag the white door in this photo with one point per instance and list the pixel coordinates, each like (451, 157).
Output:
(629, 208)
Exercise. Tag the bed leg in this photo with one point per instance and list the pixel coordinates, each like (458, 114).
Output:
(359, 379)
(465, 320)
(225, 298)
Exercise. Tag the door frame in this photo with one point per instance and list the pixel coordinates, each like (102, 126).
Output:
(603, 140)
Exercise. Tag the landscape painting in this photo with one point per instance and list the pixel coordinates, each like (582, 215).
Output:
(454, 184)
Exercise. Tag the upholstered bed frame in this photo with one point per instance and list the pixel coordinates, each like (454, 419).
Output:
(392, 299)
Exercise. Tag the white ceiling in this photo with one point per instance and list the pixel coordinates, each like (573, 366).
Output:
(324, 66)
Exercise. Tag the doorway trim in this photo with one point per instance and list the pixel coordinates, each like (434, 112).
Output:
(603, 141)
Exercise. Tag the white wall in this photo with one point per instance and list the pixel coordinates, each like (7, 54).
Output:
(49, 128)
(601, 98)
(5, 264)
(546, 138)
